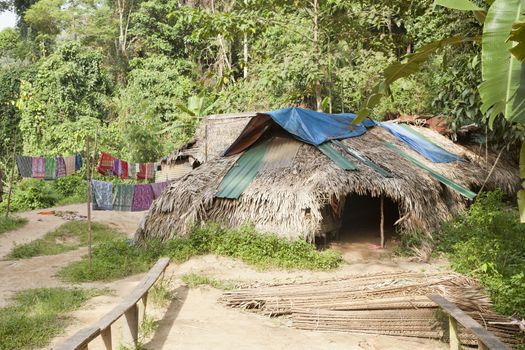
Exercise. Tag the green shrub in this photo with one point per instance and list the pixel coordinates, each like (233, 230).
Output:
(10, 223)
(37, 316)
(488, 242)
(31, 194)
(69, 236)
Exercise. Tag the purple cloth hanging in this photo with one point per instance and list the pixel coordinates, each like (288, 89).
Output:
(142, 197)
(158, 187)
(117, 167)
(38, 167)
(61, 166)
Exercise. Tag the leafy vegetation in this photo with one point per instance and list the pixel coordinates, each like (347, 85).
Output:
(119, 258)
(38, 315)
(194, 280)
(488, 242)
(11, 223)
(68, 236)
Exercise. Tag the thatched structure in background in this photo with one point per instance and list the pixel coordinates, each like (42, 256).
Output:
(215, 134)
(305, 199)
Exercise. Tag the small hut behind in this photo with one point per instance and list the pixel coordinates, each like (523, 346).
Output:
(301, 192)
(213, 136)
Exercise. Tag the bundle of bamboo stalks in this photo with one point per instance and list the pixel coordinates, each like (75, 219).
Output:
(384, 303)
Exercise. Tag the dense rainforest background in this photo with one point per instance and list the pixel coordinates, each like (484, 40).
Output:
(144, 72)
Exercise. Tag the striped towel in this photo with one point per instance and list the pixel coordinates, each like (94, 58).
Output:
(132, 171)
(24, 166)
(61, 166)
(142, 197)
(38, 167)
(123, 199)
(150, 171)
(141, 173)
(70, 165)
(117, 167)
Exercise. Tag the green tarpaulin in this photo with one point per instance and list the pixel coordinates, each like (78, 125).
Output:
(363, 159)
(443, 179)
(339, 159)
(241, 175)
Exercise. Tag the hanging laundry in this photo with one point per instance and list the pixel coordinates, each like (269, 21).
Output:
(132, 171)
(117, 169)
(158, 187)
(50, 168)
(78, 162)
(141, 171)
(123, 199)
(150, 171)
(102, 195)
(61, 166)
(124, 170)
(105, 164)
(38, 167)
(69, 162)
(24, 165)
(142, 197)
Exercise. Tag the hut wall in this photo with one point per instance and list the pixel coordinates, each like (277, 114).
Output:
(173, 171)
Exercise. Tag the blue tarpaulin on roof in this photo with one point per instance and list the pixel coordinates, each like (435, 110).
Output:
(315, 127)
(420, 144)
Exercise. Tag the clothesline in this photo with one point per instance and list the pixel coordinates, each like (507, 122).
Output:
(112, 166)
(48, 168)
(126, 197)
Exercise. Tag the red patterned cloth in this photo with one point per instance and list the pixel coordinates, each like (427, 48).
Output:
(124, 170)
(38, 167)
(141, 175)
(150, 171)
(105, 163)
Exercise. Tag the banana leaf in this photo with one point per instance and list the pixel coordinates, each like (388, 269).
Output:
(502, 89)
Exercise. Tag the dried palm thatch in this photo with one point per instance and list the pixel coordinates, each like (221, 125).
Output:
(384, 303)
(297, 201)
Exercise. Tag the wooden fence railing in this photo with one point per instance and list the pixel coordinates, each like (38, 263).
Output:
(128, 307)
(486, 340)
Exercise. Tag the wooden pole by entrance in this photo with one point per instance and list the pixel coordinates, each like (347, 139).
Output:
(11, 180)
(382, 227)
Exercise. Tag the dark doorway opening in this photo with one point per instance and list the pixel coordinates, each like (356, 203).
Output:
(361, 218)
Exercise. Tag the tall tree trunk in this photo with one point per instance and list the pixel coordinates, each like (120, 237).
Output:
(318, 98)
(245, 47)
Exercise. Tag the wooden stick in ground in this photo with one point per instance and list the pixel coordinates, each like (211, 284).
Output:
(90, 170)
(382, 224)
(88, 178)
(492, 170)
(11, 179)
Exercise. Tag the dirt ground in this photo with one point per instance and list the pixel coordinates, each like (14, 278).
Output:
(194, 319)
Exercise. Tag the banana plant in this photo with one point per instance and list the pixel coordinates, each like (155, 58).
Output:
(502, 90)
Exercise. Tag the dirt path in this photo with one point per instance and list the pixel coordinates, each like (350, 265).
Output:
(16, 275)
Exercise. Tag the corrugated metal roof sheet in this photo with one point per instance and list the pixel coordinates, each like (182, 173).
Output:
(327, 149)
(242, 173)
(363, 159)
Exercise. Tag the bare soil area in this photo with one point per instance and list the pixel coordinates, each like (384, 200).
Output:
(195, 319)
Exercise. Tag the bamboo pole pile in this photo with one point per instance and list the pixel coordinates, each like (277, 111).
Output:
(384, 303)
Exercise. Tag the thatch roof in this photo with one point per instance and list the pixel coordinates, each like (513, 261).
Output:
(214, 134)
(291, 201)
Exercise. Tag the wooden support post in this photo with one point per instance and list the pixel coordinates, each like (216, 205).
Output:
(11, 180)
(84, 347)
(89, 198)
(206, 139)
(144, 305)
(106, 338)
(482, 346)
(382, 224)
(131, 328)
(453, 333)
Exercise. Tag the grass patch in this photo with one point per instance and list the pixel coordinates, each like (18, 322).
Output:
(37, 316)
(120, 258)
(10, 223)
(488, 242)
(161, 293)
(194, 280)
(69, 236)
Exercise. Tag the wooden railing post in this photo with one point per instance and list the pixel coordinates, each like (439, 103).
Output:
(144, 304)
(131, 328)
(453, 333)
(106, 338)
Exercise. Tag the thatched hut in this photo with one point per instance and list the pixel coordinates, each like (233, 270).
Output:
(309, 196)
(216, 133)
